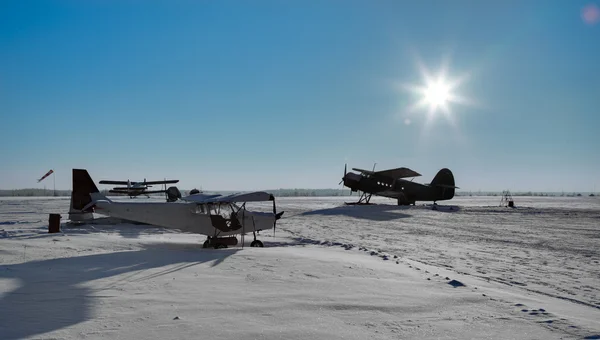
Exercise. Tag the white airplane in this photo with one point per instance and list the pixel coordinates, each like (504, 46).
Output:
(216, 216)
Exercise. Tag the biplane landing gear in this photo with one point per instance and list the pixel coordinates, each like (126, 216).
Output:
(364, 198)
(256, 243)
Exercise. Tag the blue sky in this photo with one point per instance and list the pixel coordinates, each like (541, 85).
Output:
(250, 95)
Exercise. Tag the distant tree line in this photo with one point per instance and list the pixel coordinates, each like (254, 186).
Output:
(297, 192)
(524, 193)
(33, 192)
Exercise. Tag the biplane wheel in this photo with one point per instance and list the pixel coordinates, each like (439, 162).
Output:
(205, 244)
(256, 243)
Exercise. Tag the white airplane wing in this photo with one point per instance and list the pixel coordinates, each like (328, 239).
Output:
(256, 196)
(199, 198)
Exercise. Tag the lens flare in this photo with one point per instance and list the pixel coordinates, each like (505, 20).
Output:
(590, 14)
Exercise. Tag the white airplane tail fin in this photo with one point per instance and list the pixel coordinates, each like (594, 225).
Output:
(80, 196)
(84, 196)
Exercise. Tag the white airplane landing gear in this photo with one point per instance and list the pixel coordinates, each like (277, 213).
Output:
(220, 242)
(256, 243)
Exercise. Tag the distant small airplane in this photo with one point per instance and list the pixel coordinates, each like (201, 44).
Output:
(134, 189)
(390, 183)
(218, 217)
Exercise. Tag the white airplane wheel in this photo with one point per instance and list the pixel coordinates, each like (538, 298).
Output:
(256, 243)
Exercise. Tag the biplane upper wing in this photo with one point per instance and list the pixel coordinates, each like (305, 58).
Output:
(364, 172)
(391, 173)
(136, 192)
(256, 196)
(169, 181)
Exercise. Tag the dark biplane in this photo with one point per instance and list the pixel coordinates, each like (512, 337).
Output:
(134, 189)
(391, 183)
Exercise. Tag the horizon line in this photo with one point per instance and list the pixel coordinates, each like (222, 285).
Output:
(333, 189)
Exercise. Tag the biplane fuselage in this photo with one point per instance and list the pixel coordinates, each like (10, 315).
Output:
(391, 184)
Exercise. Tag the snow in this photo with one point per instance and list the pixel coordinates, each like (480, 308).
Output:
(470, 270)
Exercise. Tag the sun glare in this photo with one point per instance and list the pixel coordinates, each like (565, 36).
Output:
(436, 94)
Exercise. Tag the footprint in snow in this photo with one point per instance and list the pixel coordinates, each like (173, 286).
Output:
(455, 284)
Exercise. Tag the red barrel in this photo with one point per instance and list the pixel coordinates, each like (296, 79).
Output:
(54, 223)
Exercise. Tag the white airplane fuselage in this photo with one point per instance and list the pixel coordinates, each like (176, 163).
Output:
(188, 217)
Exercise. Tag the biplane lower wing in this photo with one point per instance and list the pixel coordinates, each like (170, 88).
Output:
(115, 182)
(445, 186)
(169, 181)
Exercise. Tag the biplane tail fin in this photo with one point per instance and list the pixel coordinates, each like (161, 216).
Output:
(444, 179)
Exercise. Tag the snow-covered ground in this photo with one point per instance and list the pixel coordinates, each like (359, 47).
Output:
(331, 272)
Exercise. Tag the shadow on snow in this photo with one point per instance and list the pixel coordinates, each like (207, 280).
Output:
(124, 229)
(51, 294)
(368, 212)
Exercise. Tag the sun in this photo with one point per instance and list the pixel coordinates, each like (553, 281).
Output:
(436, 94)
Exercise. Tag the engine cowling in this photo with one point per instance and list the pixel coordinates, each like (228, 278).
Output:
(173, 194)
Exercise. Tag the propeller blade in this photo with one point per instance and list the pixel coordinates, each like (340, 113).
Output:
(275, 221)
(277, 216)
(345, 168)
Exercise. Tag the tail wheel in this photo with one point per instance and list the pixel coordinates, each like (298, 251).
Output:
(256, 243)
